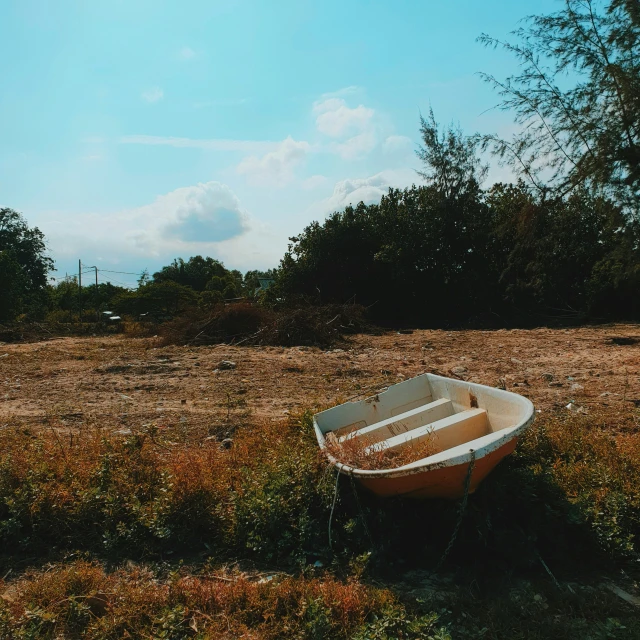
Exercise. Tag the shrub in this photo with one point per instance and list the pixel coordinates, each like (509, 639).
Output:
(253, 324)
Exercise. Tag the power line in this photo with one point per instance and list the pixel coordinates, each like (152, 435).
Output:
(124, 284)
(127, 273)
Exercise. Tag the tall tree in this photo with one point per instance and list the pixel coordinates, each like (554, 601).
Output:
(577, 99)
(450, 158)
(24, 264)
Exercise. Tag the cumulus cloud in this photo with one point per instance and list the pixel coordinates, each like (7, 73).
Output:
(152, 95)
(185, 221)
(186, 53)
(357, 146)
(206, 212)
(368, 190)
(276, 168)
(336, 120)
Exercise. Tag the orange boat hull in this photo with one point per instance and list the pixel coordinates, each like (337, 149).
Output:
(442, 482)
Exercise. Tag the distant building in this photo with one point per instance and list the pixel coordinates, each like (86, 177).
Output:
(265, 283)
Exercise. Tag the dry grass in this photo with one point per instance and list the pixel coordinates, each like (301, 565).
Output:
(366, 453)
(132, 489)
(268, 498)
(82, 599)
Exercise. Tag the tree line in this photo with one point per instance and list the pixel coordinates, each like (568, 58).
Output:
(562, 243)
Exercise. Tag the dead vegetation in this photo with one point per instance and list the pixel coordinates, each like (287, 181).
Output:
(366, 453)
(251, 324)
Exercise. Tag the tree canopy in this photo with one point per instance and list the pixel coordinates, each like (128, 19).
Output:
(577, 99)
(24, 264)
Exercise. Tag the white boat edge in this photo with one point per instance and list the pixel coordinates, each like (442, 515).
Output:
(444, 458)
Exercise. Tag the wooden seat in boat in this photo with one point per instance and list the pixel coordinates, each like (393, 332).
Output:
(445, 433)
(403, 422)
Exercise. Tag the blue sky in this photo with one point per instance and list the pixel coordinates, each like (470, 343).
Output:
(136, 131)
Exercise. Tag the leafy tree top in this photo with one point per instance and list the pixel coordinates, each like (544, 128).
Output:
(577, 99)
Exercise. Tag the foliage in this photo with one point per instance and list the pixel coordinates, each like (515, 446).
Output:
(66, 299)
(509, 254)
(195, 272)
(252, 278)
(202, 274)
(24, 265)
(450, 159)
(395, 623)
(547, 266)
(576, 96)
(159, 300)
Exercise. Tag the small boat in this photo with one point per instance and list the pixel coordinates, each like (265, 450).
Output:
(469, 427)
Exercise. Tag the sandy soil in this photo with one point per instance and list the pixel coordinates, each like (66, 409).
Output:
(132, 382)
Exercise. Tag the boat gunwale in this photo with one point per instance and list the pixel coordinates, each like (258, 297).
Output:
(509, 433)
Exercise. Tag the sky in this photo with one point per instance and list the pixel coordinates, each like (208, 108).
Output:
(133, 132)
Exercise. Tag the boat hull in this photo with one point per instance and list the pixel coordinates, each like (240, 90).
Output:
(444, 482)
(467, 422)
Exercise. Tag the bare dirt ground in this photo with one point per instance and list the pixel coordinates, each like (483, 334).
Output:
(132, 382)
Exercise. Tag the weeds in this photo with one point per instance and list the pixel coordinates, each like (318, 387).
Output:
(569, 495)
(81, 599)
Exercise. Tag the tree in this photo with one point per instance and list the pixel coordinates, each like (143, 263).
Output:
(564, 257)
(24, 265)
(450, 159)
(195, 272)
(577, 99)
(158, 300)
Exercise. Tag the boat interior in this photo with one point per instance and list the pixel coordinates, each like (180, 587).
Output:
(453, 415)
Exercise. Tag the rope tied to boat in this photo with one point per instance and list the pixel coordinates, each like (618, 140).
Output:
(333, 506)
(360, 509)
(462, 510)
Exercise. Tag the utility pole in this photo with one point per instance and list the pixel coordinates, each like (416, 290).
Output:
(80, 287)
(97, 296)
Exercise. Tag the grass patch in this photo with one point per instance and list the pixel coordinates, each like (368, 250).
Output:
(81, 599)
(569, 499)
(571, 488)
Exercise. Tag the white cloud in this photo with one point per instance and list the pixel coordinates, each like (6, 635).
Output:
(152, 95)
(184, 221)
(187, 53)
(206, 212)
(276, 168)
(337, 120)
(357, 146)
(397, 144)
(211, 144)
(314, 182)
(368, 190)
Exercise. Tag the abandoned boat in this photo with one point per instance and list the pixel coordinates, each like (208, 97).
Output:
(455, 428)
